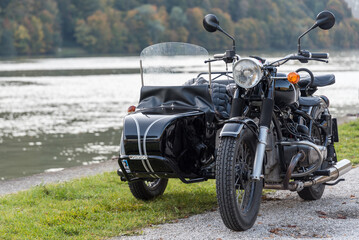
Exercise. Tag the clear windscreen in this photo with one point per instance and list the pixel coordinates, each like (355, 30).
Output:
(173, 63)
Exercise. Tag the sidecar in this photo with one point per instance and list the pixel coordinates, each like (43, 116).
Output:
(172, 133)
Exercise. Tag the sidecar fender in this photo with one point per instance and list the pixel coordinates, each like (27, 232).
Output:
(234, 126)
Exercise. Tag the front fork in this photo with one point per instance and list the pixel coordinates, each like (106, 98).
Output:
(264, 124)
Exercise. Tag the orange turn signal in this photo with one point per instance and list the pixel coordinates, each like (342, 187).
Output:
(293, 77)
(131, 109)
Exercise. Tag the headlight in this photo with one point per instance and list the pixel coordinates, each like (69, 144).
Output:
(247, 72)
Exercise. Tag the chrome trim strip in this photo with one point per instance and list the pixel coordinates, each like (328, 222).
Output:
(139, 142)
(122, 147)
(144, 141)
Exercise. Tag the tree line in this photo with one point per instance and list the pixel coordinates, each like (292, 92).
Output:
(33, 27)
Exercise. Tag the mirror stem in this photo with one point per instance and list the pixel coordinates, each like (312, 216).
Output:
(234, 41)
(310, 29)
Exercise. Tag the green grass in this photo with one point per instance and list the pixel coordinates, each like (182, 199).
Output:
(95, 208)
(348, 146)
(102, 206)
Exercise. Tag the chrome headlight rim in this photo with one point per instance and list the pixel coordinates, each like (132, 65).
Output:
(257, 67)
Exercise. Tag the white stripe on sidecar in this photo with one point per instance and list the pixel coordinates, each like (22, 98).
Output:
(144, 140)
(139, 144)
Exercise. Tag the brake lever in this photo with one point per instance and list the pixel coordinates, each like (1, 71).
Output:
(213, 60)
(320, 60)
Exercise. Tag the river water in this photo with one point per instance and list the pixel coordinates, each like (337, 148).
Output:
(55, 113)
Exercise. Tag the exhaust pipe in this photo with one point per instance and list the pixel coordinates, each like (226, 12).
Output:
(321, 151)
(336, 171)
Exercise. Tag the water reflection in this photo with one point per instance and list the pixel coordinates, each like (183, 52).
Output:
(56, 122)
(51, 105)
(27, 155)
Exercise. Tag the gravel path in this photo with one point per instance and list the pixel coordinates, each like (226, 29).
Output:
(283, 215)
(24, 183)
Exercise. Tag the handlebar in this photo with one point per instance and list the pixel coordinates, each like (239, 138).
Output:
(304, 57)
(228, 57)
(219, 55)
(320, 55)
(314, 55)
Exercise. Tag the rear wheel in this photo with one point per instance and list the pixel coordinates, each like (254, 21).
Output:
(146, 190)
(315, 192)
(238, 196)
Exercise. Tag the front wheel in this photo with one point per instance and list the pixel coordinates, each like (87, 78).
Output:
(238, 195)
(147, 190)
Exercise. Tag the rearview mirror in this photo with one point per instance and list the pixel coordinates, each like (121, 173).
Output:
(211, 23)
(325, 20)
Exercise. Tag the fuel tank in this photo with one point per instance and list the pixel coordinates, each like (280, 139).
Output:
(286, 93)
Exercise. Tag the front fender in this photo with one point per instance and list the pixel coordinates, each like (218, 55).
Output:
(234, 126)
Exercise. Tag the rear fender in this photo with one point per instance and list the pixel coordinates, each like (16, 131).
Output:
(234, 126)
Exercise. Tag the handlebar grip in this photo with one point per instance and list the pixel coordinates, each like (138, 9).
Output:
(219, 55)
(320, 55)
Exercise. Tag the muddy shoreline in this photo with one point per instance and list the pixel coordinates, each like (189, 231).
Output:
(24, 183)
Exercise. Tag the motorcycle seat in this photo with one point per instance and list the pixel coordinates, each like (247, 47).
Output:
(319, 81)
(309, 101)
(220, 97)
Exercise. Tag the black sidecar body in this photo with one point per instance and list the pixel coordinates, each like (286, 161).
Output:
(170, 135)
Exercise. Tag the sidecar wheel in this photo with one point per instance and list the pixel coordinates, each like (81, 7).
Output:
(147, 190)
(238, 196)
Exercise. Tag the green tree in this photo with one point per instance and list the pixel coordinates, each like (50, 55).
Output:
(144, 26)
(83, 35)
(126, 5)
(197, 34)
(34, 26)
(251, 34)
(86, 8)
(119, 31)
(340, 9)
(95, 33)
(22, 40)
(177, 18)
(7, 47)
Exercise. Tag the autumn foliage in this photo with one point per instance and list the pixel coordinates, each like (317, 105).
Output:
(31, 27)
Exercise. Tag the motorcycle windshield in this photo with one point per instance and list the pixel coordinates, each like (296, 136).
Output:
(173, 63)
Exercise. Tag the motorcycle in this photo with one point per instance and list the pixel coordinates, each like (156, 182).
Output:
(251, 128)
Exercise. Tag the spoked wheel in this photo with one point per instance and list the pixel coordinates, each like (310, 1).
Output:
(146, 190)
(238, 196)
